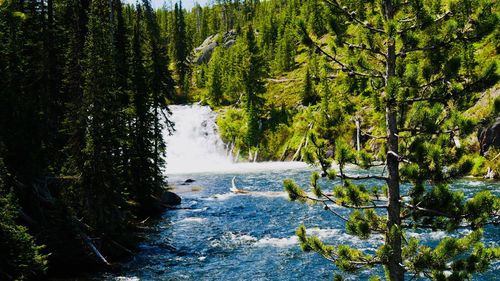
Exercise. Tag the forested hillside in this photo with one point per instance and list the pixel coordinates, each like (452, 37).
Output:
(86, 86)
(304, 91)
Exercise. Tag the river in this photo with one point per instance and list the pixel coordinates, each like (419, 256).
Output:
(219, 235)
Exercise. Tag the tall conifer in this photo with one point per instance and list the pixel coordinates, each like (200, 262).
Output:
(415, 58)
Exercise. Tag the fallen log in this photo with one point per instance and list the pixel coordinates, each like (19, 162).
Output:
(93, 248)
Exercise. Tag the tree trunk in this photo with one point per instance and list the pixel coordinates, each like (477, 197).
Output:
(393, 240)
(396, 271)
(358, 133)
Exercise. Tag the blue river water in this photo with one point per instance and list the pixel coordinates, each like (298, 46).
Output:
(220, 235)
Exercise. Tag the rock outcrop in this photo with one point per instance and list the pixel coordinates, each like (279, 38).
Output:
(489, 136)
(203, 53)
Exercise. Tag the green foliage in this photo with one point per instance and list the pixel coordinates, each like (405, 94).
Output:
(295, 193)
(419, 65)
(309, 96)
(20, 257)
(449, 256)
(343, 154)
(252, 76)
(284, 56)
(316, 154)
(358, 225)
(351, 194)
(214, 83)
(316, 189)
(232, 127)
(480, 207)
(83, 89)
(181, 47)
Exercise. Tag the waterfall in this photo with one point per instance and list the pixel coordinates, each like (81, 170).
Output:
(196, 147)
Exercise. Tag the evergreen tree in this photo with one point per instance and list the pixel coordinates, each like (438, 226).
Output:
(317, 20)
(73, 19)
(215, 89)
(417, 58)
(285, 50)
(100, 175)
(252, 75)
(69, 60)
(180, 43)
(143, 173)
(162, 90)
(309, 96)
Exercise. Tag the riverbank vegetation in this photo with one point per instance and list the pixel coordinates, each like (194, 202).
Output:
(85, 87)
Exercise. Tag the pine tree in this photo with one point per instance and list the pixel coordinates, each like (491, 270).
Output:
(162, 90)
(252, 75)
(417, 59)
(215, 86)
(285, 50)
(180, 45)
(309, 96)
(142, 169)
(101, 179)
(317, 22)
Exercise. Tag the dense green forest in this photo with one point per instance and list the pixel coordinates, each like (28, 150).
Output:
(86, 86)
(83, 102)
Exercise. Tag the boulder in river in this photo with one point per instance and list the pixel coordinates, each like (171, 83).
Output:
(170, 198)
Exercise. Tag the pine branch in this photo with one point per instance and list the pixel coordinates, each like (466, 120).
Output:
(352, 16)
(416, 131)
(375, 137)
(443, 44)
(429, 211)
(444, 16)
(353, 207)
(399, 157)
(334, 212)
(344, 66)
(364, 47)
(347, 177)
(419, 99)
(403, 52)
(359, 264)
(408, 19)
(433, 227)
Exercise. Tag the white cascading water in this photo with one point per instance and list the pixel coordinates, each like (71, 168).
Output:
(196, 147)
(195, 144)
